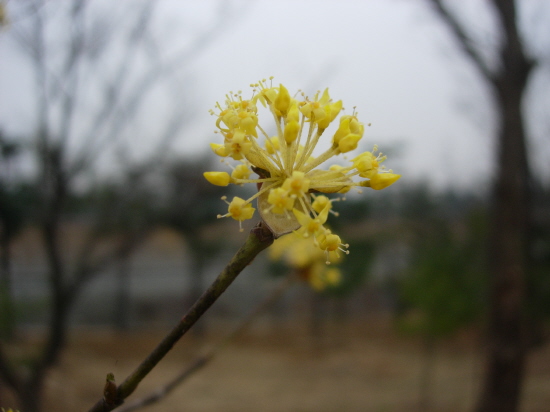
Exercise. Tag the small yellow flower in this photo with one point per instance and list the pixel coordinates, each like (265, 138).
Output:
(238, 145)
(290, 171)
(241, 172)
(311, 226)
(297, 185)
(239, 209)
(322, 277)
(330, 242)
(321, 202)
(302, 255)
(280, 200)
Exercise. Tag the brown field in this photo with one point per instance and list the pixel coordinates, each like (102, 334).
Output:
(363, 366)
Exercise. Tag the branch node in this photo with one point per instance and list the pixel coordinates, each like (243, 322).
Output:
(110, 395)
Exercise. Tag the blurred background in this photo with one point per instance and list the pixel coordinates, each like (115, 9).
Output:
(108, 229)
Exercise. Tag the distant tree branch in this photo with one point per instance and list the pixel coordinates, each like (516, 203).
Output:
(464, 41)
(125, 106)
(88, 270)
(70, 71)
(113, 90)
(513, 54)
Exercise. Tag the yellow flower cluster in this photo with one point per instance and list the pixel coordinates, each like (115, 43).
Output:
(289, 174)
(307, 260)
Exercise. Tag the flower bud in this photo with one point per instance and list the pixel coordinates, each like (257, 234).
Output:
(282, 101)
(381, 180)
(343, 130)
(291, 131)
(217, 178)
(349, 143)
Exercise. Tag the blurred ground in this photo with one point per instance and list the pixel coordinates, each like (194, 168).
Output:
(361, 366)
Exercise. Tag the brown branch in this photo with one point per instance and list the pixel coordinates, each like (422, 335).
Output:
(202, 360)
(70, 72)
(259, 239)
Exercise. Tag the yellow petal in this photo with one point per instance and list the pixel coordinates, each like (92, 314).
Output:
(293, 113)
(240, 210)
(241, 172)
(343, 129)
(320, 202)
(349, 143)
(219, 149)
(301, 217)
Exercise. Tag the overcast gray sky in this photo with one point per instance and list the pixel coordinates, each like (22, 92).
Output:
(391, 59)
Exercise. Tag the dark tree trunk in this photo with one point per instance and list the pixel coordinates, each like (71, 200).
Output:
(510, 229)
(54, 194)
(510, 207)
(508, 264)
(7, 307)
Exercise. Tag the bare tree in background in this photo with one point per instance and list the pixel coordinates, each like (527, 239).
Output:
(507, 78)
(94, 70)
(11, 222)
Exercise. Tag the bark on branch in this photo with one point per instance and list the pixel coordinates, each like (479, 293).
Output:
(201, 361)
(259, 239)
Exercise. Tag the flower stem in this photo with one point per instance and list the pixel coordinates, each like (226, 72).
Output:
(259, 239)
